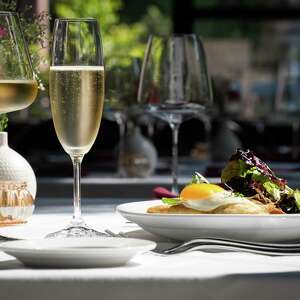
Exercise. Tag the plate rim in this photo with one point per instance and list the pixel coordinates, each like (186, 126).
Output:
(6, 246)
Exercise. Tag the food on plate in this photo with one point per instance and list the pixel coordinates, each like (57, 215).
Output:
(248, 186)
(248, 175)
(172, 209)
(204, 198)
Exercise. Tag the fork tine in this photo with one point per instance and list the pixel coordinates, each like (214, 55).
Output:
(113, 234)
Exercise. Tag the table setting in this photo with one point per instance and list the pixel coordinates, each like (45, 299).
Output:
(231, 237)
(224, 274)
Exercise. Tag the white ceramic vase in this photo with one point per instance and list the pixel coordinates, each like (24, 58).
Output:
(140, 157)
(15, 167)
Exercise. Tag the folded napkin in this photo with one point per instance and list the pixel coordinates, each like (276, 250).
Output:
(161, 192)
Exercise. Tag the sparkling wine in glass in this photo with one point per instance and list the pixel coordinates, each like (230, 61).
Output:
(18, 86)
(174, 85)
(77, 96)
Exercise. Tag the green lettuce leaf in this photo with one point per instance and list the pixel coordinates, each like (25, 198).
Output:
(297, 198)
(171, 201)
(273, 189)
(239, 169)
(235, 168)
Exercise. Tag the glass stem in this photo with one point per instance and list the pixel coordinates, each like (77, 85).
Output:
(122, 128)
(175, 130)
(77, 219)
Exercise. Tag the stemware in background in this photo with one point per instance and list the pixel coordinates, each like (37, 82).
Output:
(77, 96)
(122, 73)
(18, 86)
(174, 84)
(286, 106)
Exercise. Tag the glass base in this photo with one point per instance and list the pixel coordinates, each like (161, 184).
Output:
(76, 231)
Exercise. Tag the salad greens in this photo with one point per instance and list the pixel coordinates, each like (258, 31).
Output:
(297, 198)
(171, 201)
(247, 174)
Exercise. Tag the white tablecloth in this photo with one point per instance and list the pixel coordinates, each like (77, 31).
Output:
(196, 275)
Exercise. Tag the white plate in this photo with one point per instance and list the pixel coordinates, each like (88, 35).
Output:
(268, 228)
(76, 252)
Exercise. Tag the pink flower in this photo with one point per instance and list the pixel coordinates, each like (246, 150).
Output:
(3, 31)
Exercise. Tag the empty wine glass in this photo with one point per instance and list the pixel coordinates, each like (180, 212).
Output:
(174, 84)
(122, 73)
(286, 106)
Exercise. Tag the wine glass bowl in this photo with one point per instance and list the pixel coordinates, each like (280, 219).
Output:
(174, 74)
(122, 73)
(76, 121)
(174, 84)
(18, 86)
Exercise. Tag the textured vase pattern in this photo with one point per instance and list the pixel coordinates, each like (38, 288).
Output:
(15, 167)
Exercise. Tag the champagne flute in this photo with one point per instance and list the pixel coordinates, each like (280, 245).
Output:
(18, 86)
(174, 85)
(77, 96)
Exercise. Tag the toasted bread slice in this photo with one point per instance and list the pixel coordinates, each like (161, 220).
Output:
(174, 209)
(241, 209)
(225, 209)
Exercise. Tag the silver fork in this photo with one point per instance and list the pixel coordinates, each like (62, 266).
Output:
(113, 234)
(234, 245)
(219, 244)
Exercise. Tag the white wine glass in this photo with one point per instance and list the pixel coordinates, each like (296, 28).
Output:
(18, 85)
(174, 85)
(122, 77)
(76, 96)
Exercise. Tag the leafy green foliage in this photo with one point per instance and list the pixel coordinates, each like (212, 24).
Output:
(119, 38)
(8, 5)
(3, 122)
(34, 27)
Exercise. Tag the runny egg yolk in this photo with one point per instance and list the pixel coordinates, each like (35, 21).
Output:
(207, 197)
(197, 191)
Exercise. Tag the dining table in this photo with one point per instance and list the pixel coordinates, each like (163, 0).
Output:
(192, 275)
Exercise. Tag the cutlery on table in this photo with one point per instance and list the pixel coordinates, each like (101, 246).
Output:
(218, 244)
(273, 249)
(113, 234)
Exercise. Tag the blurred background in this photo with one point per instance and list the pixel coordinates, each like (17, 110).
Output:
(253, 55)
